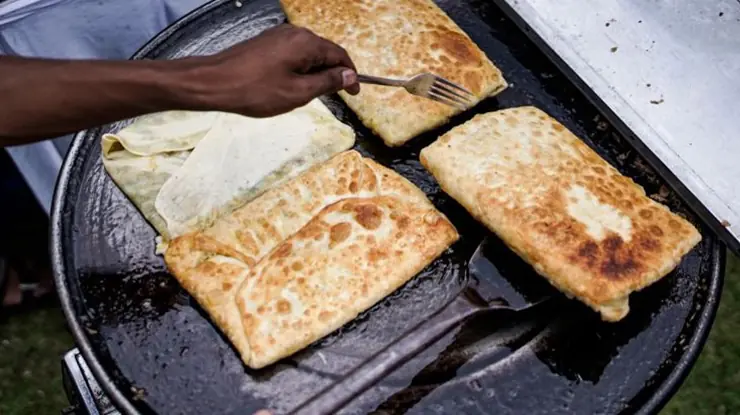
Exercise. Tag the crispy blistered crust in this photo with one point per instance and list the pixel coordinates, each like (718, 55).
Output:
(347, 258)
(213, 263)
(399, 39)
(590, 231)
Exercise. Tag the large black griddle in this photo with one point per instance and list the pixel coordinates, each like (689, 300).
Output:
(155, 351)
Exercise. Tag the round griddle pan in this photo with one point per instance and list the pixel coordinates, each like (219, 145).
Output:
(155, 351)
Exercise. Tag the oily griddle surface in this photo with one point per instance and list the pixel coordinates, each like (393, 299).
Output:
(166, 356)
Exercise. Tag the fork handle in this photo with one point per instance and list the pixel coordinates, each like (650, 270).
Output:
(367, 374)
(367, 79)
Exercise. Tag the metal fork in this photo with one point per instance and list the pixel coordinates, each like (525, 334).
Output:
(428, 85)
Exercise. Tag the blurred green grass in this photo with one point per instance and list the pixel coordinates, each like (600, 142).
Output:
(31, 347)
(713, 387)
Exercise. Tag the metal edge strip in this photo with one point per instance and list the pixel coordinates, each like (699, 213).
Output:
(627, 122)
(58, 204)
(78, 382)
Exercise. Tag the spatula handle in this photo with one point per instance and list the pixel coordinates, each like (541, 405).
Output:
(388, 359)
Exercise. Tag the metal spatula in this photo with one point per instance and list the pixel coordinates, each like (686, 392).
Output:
(487, 291)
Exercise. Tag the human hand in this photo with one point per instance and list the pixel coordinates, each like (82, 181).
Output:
(281, 69)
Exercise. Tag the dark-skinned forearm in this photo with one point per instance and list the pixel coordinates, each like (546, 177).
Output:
(42, 98)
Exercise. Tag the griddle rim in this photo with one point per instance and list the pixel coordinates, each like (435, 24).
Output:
(84, 344)
(666, 390)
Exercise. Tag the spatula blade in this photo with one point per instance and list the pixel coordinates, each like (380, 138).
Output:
(509, 282)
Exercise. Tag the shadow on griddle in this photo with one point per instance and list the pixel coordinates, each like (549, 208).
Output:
(460, 353)
(583, 357)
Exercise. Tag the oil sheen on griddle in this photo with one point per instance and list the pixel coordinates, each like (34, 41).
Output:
(506, 278)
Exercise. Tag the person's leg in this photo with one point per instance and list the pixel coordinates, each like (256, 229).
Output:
(26, 286)
(26, 266)
(66, 29)
(12, 286)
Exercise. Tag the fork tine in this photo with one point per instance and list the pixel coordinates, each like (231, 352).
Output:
(445, 101)
(442, 101)
(440, 88)
(453, 85)
(446, 95)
